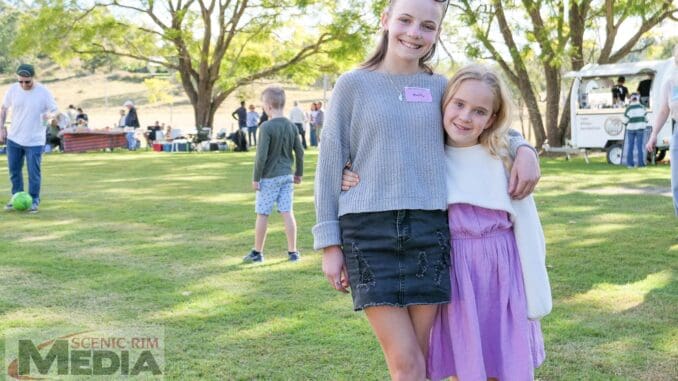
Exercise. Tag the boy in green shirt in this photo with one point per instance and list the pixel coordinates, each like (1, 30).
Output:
(273, 180)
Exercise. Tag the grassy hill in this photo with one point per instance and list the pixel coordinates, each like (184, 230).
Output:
(101, 96)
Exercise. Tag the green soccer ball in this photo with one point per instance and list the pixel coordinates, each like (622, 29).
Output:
(21, 201)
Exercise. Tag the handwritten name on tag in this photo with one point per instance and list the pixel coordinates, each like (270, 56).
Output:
(418, 94)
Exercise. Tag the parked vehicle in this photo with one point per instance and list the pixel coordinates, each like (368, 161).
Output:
(597, 112)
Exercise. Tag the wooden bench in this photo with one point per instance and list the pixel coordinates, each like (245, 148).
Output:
(92, 140)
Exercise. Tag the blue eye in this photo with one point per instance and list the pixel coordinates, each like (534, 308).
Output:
(481, 112)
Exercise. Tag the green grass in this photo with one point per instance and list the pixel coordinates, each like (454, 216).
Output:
(128, 238)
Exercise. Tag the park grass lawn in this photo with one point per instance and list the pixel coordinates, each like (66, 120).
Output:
(124, 239)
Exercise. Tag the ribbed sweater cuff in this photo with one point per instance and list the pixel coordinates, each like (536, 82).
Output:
(522, 143)
(326, 234)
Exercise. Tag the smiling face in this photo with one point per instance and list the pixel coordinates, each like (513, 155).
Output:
(413, 27)
(468, 113)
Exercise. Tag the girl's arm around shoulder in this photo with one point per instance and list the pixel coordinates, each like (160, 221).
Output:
(525, 172)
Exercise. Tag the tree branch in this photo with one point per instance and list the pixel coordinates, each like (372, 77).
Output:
(104, 50)
(665, 12)
(300, 56)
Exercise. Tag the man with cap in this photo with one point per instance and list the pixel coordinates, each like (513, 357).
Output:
(31, 104)
(131, 124)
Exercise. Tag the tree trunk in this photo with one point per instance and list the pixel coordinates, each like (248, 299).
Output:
(535, 121)
(578, 14)
(533, 112)
(552, 99)
(532, 105)
(204, 112)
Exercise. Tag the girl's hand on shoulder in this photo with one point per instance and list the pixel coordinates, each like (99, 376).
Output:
(525, 173)
(334, 268)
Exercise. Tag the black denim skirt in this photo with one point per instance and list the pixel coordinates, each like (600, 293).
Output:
(397, 258)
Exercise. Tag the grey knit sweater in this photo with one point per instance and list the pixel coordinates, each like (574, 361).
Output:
(396, 147)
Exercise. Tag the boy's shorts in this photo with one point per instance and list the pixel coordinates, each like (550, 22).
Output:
(276, 189)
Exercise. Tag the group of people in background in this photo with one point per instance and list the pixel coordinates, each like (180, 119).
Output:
(249, 120)
(77, 116)
(76, 119)
(59, 122)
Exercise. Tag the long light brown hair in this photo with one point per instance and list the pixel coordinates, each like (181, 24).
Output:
(379, 54)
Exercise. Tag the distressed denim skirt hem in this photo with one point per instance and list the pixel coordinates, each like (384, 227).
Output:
(397, 258)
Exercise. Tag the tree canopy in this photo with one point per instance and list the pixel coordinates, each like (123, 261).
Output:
(8, 29)
(554, 36)
(214, 46)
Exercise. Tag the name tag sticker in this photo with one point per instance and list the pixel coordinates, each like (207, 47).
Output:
(674, 93)
(418, 95)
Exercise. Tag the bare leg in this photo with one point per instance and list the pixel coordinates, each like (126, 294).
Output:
(290, 230)
(395, 331)
(260, 232)
(422, 320)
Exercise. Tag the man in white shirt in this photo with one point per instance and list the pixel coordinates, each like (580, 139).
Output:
(297, 117)
(31, 104)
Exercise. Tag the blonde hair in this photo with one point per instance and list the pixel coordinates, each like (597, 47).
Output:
(379, 53)
(274, 96)
(495, 137)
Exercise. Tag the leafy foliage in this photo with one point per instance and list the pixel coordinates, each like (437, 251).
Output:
(540, 39)
(8, 28)
(216, 47)
(159, 90)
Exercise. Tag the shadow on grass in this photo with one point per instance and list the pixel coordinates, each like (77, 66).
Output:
(127, 238)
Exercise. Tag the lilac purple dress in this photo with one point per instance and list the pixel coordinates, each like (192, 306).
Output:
(484, 332)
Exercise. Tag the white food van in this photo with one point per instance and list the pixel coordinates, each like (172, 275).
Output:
(597, 117)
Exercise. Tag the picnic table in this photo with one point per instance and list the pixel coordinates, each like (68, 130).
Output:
(81, 141)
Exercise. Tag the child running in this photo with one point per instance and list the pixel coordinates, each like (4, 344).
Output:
(499, 279)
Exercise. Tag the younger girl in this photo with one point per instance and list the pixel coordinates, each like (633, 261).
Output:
(499, 275)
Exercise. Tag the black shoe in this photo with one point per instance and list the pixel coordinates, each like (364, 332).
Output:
(293, 256)
(253, 256)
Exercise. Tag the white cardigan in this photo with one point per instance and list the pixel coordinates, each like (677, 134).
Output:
(475, 177)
